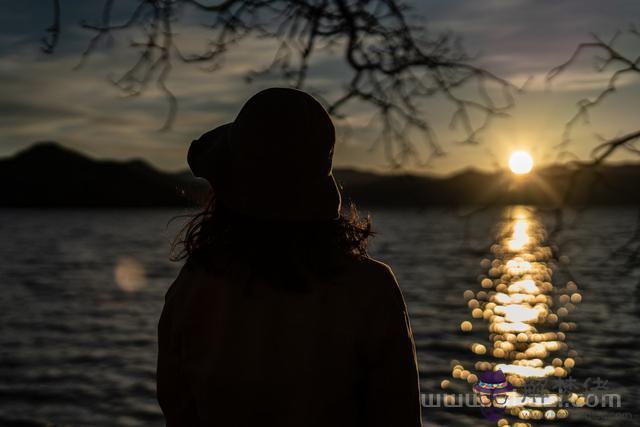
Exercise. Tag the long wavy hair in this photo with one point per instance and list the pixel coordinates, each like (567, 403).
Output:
(285, 251)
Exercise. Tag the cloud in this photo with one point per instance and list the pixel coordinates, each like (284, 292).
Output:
(43, 98)
(527, 36)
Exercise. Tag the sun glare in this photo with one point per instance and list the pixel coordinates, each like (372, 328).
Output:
(520, 162)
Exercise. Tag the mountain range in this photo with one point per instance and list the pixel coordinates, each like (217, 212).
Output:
(47, 174)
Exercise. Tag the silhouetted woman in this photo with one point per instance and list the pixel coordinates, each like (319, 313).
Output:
(279, 317)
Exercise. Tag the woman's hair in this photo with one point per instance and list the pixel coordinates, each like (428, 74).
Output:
(280, 250)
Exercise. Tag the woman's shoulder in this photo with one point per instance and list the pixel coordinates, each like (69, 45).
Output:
(193, 275)
(375, 279)
(373, 269)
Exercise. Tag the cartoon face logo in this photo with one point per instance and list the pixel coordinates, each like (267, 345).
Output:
(492, 389)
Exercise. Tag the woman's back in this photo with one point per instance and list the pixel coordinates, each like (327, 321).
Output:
(239, 350)
(279, 318)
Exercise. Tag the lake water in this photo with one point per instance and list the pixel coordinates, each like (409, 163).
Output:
(82, 291)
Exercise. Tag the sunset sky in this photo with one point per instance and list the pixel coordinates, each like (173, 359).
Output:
(43, 98)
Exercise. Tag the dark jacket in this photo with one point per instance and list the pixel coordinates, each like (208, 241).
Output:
(235, 351)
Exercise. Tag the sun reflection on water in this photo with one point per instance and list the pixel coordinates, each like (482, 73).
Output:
(526, 316)
(520, 238)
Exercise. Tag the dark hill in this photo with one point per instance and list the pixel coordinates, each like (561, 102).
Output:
(549, 187)
(47, 174)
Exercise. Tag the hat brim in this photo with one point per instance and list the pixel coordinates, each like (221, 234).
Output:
(208, 154)
(210, 157)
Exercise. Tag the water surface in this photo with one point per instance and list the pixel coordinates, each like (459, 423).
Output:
(82, 291)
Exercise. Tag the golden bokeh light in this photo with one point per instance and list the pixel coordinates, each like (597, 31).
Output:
(528, 317)
(129, 274)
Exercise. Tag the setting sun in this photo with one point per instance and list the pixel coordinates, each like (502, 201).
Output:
(520, 162)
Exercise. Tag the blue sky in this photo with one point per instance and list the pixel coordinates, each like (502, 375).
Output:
(43, 98)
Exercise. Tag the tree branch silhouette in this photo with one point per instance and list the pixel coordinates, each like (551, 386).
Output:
(50, 41)
(393, 65)
(614, 64)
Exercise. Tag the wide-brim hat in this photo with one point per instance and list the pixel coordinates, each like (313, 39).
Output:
(492, 382)
(274, 161)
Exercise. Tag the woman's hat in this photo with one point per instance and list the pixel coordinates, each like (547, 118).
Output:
(274, 161)
(207, 154)
(492, 382)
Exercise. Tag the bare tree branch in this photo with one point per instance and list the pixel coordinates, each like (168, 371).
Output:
(616, 65)
(609, 60)
(50, 41)
(393, 65)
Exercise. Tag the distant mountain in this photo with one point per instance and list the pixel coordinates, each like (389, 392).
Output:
(550, 187)
(47, 174)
